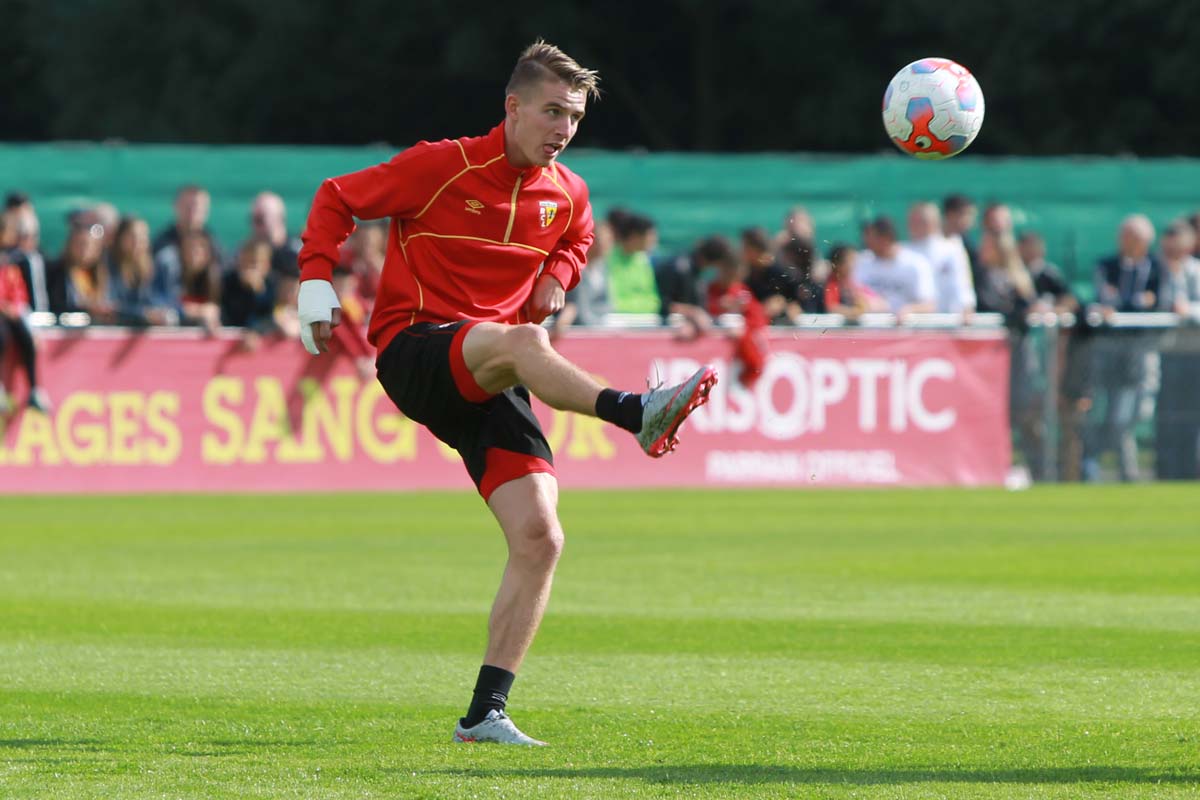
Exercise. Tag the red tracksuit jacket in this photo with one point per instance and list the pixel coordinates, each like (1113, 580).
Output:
(468, 231)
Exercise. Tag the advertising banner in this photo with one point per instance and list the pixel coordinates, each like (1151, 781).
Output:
(178, 412)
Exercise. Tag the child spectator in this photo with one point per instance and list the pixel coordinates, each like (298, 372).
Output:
(365, 252)
(630, 272)
(138, 299)
(771, 284)
(843, 293)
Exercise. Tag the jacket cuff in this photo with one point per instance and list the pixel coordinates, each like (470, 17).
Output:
(317, 268)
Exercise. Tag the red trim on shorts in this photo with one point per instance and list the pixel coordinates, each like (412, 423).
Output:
(465, 382)
(502, 466)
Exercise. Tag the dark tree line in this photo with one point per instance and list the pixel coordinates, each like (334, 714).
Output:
(1087, 76)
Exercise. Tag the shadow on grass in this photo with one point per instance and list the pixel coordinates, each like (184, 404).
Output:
(754, 773)
(29, 744)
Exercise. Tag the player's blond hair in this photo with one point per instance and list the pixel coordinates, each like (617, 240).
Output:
(542, 60)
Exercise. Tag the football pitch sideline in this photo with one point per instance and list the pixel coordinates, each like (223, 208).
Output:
(889, 644)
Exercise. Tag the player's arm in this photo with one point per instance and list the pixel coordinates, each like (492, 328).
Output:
(560, 272)
(397, 188)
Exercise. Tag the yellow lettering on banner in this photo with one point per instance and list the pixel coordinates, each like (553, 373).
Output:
(125, 410)
(448, 452)
(307, 449)
(402, 446)
(335, 422)
(589, 439)
(557, 434)
(35, 433)
(161, 411)
(270, 422)
(82, 443)
(218, 392)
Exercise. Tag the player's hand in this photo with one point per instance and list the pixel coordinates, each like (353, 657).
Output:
(548, 298)
(319, 312)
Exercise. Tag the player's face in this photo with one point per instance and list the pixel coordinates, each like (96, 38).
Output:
(542, 121)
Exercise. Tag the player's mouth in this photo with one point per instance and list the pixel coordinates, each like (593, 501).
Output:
(552, 150)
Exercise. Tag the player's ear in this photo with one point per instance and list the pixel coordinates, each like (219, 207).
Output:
(511, 103)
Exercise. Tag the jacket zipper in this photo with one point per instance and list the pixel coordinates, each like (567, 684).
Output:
(512, 214)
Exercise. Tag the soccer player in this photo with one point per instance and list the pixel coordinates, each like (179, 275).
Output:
(486, 236)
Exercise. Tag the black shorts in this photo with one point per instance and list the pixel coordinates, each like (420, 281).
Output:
(423, 372)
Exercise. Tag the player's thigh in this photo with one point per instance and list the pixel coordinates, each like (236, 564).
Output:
(527, 510)
(490, 351)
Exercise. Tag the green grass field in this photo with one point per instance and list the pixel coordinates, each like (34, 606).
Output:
(922, 644)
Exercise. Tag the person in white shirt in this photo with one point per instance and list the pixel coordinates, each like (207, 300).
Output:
(948, 260)
(901, 277)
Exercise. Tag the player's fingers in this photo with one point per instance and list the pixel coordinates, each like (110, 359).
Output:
(336, 317)
(307, 339)
(322, 333)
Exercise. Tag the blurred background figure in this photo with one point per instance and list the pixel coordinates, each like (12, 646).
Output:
(1126, 282)
(77, 281)
(248, 293)
(799, 260)
(958, 218)
(192, 205)
(798, 223)
(199, 286)
(947, 259)
(772, 285)
(24, 233)
(844, 293)
(727, 294)
(138, 296)
(1180, 282)
(902, 278)
(351, 335)
(1052, 290)
(588, 303)
(631, 279)
(268, 223)
(364, 253)
(16, 335)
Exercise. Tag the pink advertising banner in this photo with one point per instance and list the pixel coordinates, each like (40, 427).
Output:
(176, 412)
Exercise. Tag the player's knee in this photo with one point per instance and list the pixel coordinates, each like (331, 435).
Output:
(527, 337)
(541, 542)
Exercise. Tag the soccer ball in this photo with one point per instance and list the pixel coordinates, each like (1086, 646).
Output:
(933, 108)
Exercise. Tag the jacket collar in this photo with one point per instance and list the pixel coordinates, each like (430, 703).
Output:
(501, 168)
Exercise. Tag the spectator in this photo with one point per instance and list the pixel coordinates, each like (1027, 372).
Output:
(106, 217)
(77, 281)
(365, 252)
(192, 205)
(352, 333)
(1007, 287)
(199, 288)
(287, 318)
(1194, 221)
(771, 284)
(268, 222)
(1052, 290)
(1126, 282)
(26, 253)
(248, 293)
(138, 299)
(958, 218)
(900, 277)
(1180, 282)
(798, 223)
(844, 294)
(587, 303)
(799, 260)
(631, 278)
(997, 219)
(14, 330)
(728, 294)
(948, 260)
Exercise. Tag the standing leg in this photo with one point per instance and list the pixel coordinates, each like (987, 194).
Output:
(526, 509)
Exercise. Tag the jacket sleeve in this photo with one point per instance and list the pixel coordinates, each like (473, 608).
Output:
(569, 255)
(397, 188)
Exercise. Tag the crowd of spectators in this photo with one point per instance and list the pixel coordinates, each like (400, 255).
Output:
(113, 270)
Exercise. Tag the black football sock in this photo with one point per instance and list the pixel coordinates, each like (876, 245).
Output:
(623, 409)
(491, 691)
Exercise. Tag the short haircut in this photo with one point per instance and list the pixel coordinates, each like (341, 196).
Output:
(838, 253)
(627, 223)
(15, 200)
(883, 226)
(542, 61)
(715, 250)
(956, 202)
(189, 188)
(1030, 236)
(757, 238)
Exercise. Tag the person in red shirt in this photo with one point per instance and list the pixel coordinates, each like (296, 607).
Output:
(729, 294)
(486, 235)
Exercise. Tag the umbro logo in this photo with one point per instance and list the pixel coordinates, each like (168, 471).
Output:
(474, 207)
